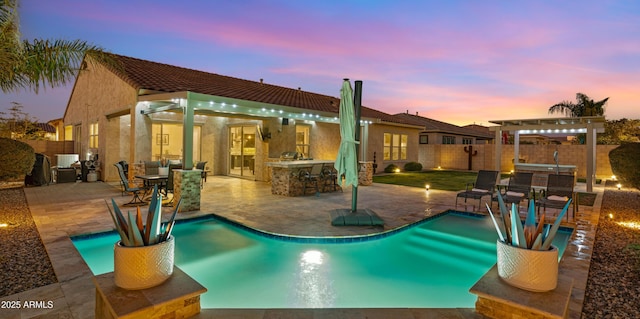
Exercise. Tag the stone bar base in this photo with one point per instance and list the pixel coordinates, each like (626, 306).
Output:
(285, 177)
(186, 186)
(178, 297)
(499, 300)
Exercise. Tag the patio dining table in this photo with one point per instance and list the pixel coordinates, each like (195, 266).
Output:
(150, 180)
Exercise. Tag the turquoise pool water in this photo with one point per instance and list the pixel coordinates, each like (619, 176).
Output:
(430, 265)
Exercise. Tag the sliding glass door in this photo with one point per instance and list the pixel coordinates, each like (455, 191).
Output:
(242, 150)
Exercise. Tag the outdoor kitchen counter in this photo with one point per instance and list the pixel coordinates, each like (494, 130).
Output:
(285, 176)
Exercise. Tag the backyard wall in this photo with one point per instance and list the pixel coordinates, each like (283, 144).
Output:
(454, 157)
(51, 148)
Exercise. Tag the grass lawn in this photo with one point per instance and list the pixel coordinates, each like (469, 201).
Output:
(442, 180)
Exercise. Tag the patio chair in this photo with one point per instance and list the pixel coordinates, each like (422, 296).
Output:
(311, 178)
(559, 191)
(169, 187)
(151, 167)
(136, 200)
(483, 186)
(125, 168)
(201, 166)
(519, 188)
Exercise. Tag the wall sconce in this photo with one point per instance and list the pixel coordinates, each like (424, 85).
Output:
(3, 225)
(619, 186)
(426, 187)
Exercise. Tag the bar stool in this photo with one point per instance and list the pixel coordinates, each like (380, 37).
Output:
(311, 179)
(330, 177)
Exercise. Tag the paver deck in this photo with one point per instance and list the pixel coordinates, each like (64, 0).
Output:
(69, 209)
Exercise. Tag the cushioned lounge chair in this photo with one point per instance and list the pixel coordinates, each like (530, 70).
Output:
(483, 186)
(559, 191)
(519, 188)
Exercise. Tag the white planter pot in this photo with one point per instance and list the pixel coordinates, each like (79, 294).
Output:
(163, 171)
(532, 270)
(143, 267)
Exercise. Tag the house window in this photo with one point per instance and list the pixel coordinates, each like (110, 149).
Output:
(68, 133)
(302, 139)
(448, 139)
(395, 146)
(424, 139)
(467, 140)
(93, 135)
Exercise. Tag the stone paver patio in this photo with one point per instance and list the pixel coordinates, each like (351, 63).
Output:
(65, 210)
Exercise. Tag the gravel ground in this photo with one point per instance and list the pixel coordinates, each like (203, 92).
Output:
(613, 285)
(24, 263)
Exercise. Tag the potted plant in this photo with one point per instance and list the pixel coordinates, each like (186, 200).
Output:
(143, 257)
(525, 256)
(163, 169)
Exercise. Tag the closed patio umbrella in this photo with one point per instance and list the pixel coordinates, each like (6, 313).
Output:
(347, 159)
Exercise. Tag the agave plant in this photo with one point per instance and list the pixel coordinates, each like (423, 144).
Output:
(133, 233)
(530, 236)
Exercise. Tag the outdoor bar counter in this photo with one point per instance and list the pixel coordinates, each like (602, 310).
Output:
(542, 171)
(285, 176)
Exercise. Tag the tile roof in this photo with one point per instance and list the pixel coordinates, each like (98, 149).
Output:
(164, 78)
(431, 125)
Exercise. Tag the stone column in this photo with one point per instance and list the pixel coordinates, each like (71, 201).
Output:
(186, 186)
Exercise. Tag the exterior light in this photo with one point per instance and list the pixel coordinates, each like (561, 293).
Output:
(610, 216)
(511, 171)
(3, 225)
(439, 167)
(613, 177)
(619, 186)
(397, 170)
(426, 187)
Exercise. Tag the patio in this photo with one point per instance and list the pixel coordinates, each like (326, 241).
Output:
(64, 210)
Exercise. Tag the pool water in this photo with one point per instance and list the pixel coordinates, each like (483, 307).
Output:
(430, 265)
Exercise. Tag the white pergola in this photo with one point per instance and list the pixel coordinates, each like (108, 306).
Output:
(590, 125)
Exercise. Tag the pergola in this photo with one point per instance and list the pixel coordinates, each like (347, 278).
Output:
(590, 125)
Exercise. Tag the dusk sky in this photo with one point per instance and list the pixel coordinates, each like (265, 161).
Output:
(461, 62)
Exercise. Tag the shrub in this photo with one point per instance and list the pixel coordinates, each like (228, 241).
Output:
(413, 167)
(625, 163)
(390, 168)
(16, 159)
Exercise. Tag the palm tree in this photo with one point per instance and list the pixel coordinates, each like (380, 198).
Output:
(585, 106)
(30, 64)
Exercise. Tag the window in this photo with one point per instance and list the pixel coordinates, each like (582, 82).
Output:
(93, 135)
(467, 140)
(395, 146)
(448, 139)
(68, 133)
(424, 139)
(302, 139)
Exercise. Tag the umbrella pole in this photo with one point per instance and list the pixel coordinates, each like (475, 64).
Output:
(357, 105)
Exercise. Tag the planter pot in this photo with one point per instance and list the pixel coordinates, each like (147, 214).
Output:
(532, 270)
(143, 267)
(163, 171)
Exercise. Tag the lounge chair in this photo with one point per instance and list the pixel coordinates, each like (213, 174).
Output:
(483, 186)
(519, 188)
(559, 191)
(136, 200)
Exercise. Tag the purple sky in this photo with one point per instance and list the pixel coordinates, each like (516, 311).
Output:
(461, 62)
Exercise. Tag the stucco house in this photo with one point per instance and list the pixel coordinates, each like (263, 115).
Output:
(145, 110)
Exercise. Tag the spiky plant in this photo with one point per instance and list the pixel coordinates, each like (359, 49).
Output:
(530, 236)
(133, 233)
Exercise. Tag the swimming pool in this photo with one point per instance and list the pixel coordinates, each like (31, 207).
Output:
(429, 265)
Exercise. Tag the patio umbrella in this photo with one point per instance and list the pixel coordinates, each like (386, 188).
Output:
(347, 160)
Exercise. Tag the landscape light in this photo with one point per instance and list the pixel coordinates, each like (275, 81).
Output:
(397, 170)
(426, 187)
(619, 186)
(613, 177)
